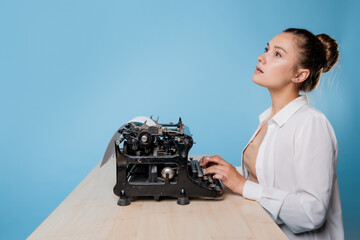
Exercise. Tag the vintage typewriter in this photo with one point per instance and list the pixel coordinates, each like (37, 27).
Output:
(152, 160)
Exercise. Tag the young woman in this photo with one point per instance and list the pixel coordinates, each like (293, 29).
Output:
(289, 165)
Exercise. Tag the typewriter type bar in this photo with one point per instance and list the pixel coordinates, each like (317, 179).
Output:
(153, 161)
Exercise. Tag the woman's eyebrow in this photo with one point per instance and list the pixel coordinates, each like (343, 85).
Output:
(277, 47)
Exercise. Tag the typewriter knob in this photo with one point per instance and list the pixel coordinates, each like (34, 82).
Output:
(145, 138)
(167, 170)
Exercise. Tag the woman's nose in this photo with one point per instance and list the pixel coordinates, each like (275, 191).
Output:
(261, 58)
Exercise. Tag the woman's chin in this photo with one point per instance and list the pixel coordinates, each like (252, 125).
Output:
(257, 81)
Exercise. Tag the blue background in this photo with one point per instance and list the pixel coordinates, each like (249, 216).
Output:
(72, 72)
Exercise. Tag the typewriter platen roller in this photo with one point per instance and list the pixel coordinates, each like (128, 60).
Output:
(152, 160)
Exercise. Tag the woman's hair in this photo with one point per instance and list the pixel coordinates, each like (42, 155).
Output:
(317, 53)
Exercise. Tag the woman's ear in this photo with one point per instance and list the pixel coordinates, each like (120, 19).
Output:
(301, 75)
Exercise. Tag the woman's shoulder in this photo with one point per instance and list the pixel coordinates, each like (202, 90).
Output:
(308, 118)
(308, 113)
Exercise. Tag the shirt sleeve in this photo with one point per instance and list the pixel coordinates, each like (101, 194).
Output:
(240, 170)
(315, 163)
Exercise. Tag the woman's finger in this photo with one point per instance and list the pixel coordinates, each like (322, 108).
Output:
(214, 159)
(219, 176)
(203, 159)
(209, 159)
(215, 169)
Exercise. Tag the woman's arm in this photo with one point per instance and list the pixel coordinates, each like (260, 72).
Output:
(304, 209)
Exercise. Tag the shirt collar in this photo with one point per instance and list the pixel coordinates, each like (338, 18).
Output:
(286, 112)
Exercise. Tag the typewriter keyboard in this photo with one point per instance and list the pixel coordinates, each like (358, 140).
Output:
(197, 174)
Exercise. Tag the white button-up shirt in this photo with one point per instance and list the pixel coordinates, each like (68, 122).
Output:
(296, 170)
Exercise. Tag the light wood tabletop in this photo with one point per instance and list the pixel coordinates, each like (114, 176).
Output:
(91, 212)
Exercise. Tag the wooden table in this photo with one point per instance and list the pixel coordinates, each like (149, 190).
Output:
(91, 212)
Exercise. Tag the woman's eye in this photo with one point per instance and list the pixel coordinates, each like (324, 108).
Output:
(266, 49)
(278, 54)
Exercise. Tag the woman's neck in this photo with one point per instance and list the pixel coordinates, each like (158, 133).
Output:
(280, 99)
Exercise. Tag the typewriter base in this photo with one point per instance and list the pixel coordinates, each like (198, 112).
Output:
(182, 188)
(126, 200)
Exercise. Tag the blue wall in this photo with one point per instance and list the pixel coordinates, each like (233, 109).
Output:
(72, 72)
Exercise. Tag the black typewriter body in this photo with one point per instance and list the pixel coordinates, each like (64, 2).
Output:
(152, 161)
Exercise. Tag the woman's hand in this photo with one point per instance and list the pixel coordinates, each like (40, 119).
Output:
(224, 171)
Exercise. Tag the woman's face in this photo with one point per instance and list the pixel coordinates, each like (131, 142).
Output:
(276, 67)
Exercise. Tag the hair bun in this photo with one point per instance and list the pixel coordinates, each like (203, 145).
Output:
(331, 51)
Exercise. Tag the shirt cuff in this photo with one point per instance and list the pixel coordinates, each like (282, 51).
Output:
(252, 190)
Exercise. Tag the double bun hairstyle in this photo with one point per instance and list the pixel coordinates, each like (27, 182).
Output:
(318, 53)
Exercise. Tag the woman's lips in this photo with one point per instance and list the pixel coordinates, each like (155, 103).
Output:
(258, 70)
